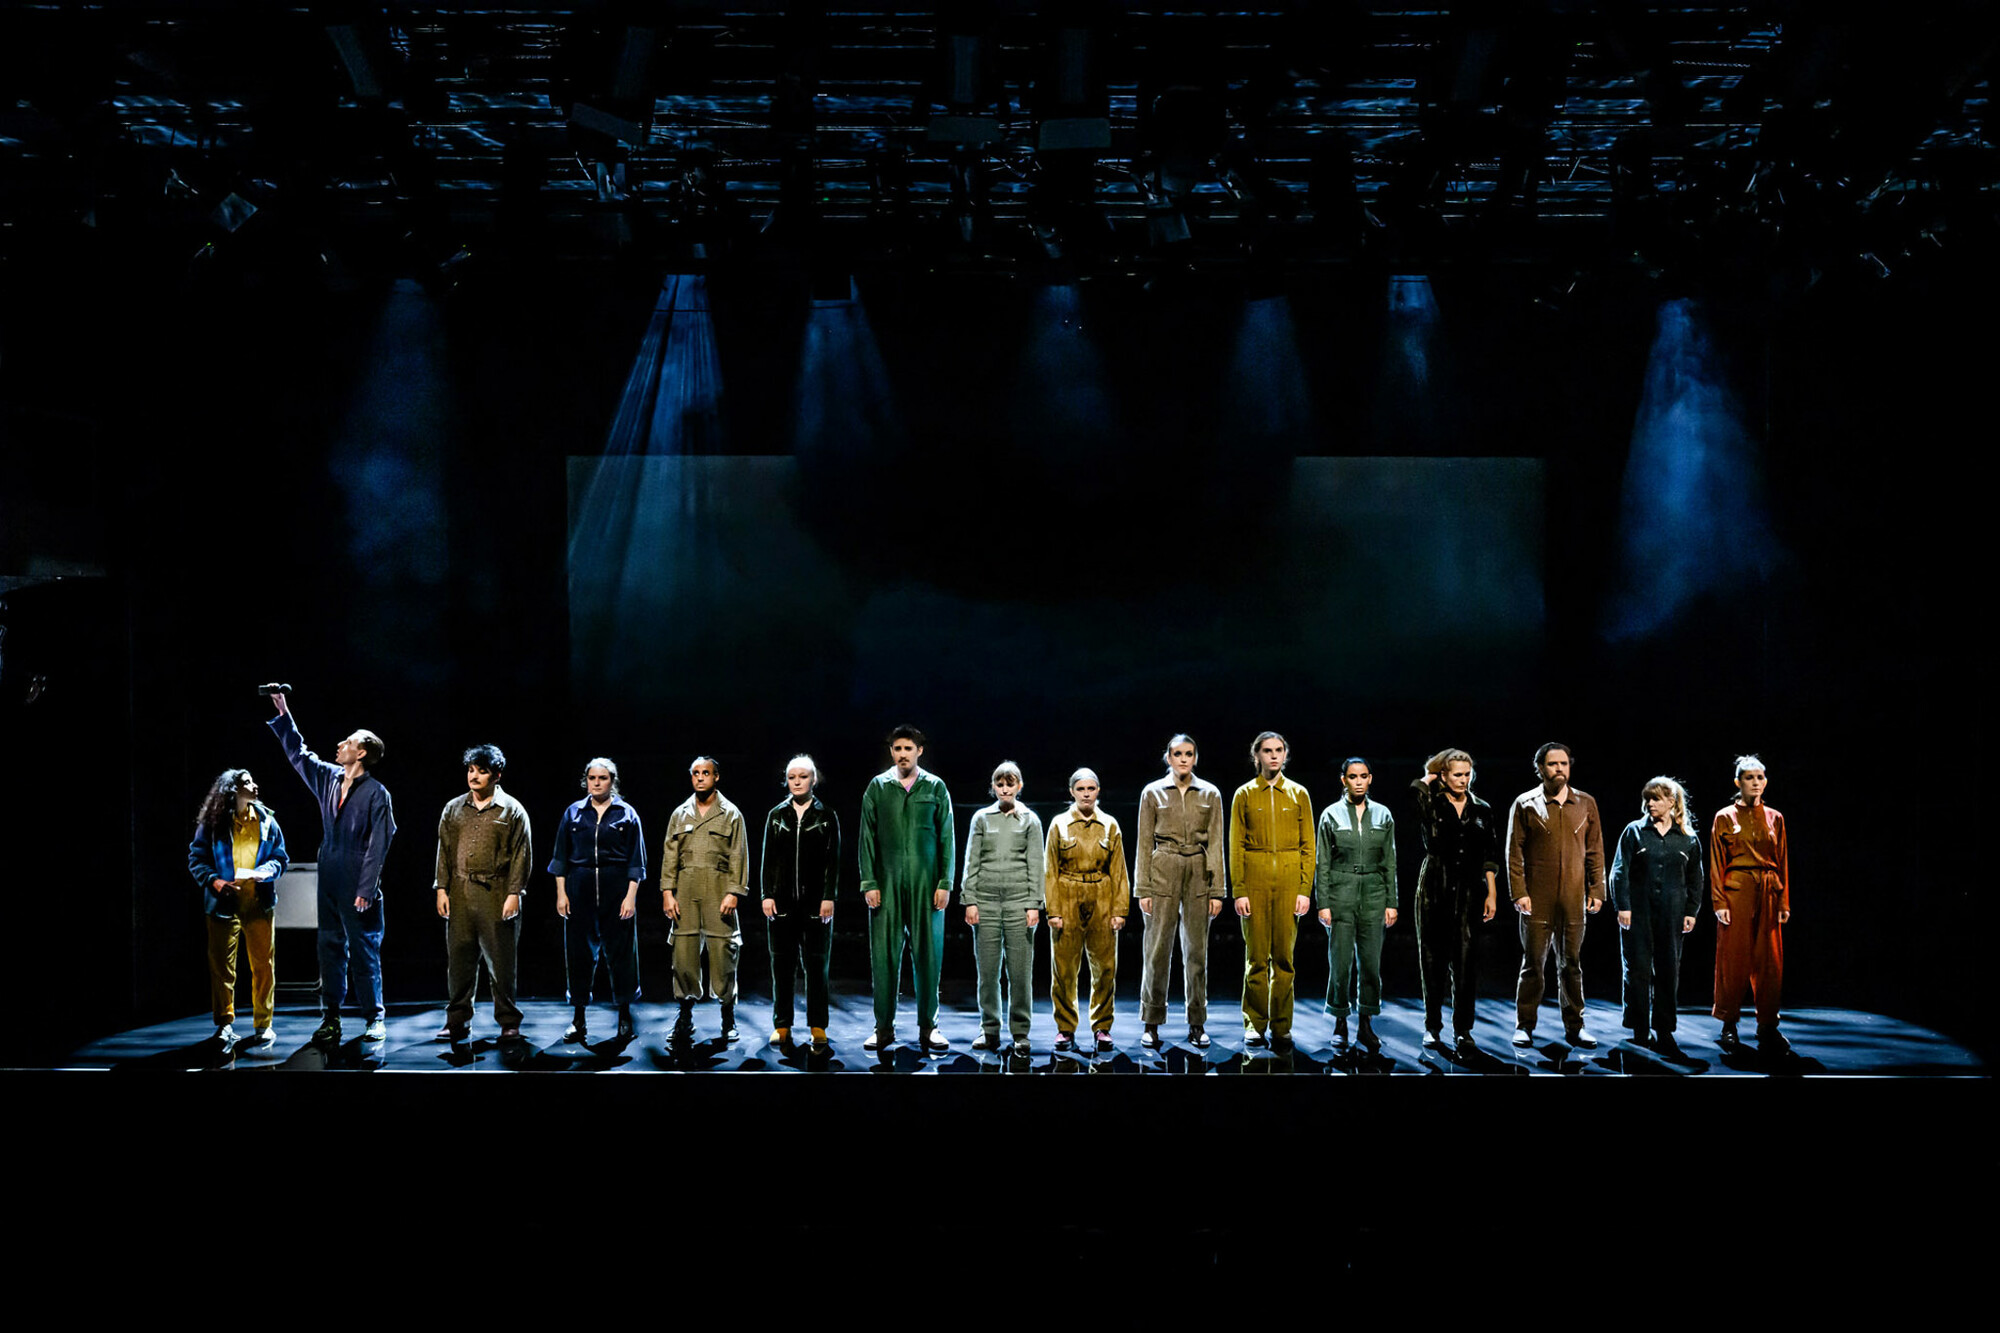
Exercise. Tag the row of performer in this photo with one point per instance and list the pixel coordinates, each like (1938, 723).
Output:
(1261, 854)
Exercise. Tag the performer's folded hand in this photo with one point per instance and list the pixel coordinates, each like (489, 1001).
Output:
(444, 904)
(1118, 923)
(1687, 924)
(279, 699)
(1034, 918)
(1326, 916)
(1784, 916)
(1624, 921)
(1389, 917)
(1215, 907)
(672, 904)
(1146, 905)
(770, 908)
(972, 915)
(1243, 907)
(630, 907)
(1301, 905)
(728, 903)
(361, 904)
(826, 911)
(873, 897)
(562, 903)
(1722, 915)
(511, 907)
(1524, 905)
(1055, 923)
(940, 898)
(1593, 904)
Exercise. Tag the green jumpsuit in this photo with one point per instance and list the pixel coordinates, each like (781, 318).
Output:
(909, 849)
(1356, 878)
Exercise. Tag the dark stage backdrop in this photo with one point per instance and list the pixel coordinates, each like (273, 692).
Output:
(727, 602)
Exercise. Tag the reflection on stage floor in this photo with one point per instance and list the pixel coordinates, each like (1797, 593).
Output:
(1823, 1042)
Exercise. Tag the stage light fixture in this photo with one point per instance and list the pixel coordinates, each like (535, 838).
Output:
(965, 92)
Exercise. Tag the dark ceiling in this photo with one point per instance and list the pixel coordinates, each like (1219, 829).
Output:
(410, 134)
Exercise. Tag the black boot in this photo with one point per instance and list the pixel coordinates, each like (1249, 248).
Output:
(627, 1029)
(684, 1025)
(578, 1029)
(1729, 1041)
(729, 1022)
(1368, 1037)
(1340, 1032)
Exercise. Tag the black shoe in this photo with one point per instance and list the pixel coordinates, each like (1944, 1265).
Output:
(1368, 1037)
(1665, 1048)
(1065, 1042)
(451, 1033)
(684, 1025)
(1281, 1042)
(1198, 1039)
(1253, 1039)
(1434, 1039)
(1150, 1038)
(1524, 1036)
(1729, 1041)
(1021, 1051)
(1641, 1037)
(1581, 1038)
(1340, 1032)
(328, 1032)
(1464, 1047)
(627, 1028)
(575, 1033)
(729, 1022)
(1772, 1042)
(1103, 1042)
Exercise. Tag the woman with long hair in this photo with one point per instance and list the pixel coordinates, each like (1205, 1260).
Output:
(237, 855)
(1656, 887)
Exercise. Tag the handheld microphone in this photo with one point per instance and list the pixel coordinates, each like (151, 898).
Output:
(274, 689)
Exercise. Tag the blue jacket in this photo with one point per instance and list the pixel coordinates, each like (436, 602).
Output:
(211, 858)
(354, 835)
(590, 850)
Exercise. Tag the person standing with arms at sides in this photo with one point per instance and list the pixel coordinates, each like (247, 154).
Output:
(1555, 872)
(800, 869)
(909, 849)
(1271, 855)
(704, 874)
(237, 855)
(1354, 887)
(357, 823)
(485, 851)
(599, 863)
(1182, 879)
(1088, 893)
(1002, 895)
(1656, 888)
(1750, 887)
(1457, 888)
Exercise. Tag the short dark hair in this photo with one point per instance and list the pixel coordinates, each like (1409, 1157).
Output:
(372, 748)
(906, 732)
(1348, 763)
(708, 759)
(1256, 763)
(489, 757)
(1547, 749)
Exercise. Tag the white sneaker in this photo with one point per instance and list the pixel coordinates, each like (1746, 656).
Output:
(1581, 1037)
(263, 1037)
(1523, 1037)
(225, 1035)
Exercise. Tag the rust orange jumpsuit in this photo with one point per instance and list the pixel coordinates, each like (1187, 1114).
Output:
(1749, 877)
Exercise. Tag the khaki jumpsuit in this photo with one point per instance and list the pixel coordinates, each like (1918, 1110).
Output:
(706, 857)
(1086, 885)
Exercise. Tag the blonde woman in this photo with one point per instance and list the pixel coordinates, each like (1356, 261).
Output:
(1657, 883)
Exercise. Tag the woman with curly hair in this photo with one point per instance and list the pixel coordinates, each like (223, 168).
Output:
(1657, 882)
(237, 854)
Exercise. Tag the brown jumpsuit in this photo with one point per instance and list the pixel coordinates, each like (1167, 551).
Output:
(1749, 876)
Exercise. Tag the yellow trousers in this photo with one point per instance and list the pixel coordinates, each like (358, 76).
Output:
(1085, 930)
(257, 942)
(1269, 933)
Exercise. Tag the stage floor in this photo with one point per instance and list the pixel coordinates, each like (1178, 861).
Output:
(1839, 1042)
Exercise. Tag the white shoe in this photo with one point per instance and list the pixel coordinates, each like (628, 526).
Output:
(1581, 1037)
(1523, 1037)
(263, 1037)
(225, 1035)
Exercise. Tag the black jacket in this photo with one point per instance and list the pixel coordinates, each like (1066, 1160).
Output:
(800, 862)
(1458, 849)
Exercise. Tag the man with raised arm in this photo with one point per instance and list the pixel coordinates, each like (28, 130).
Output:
(357, 822)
